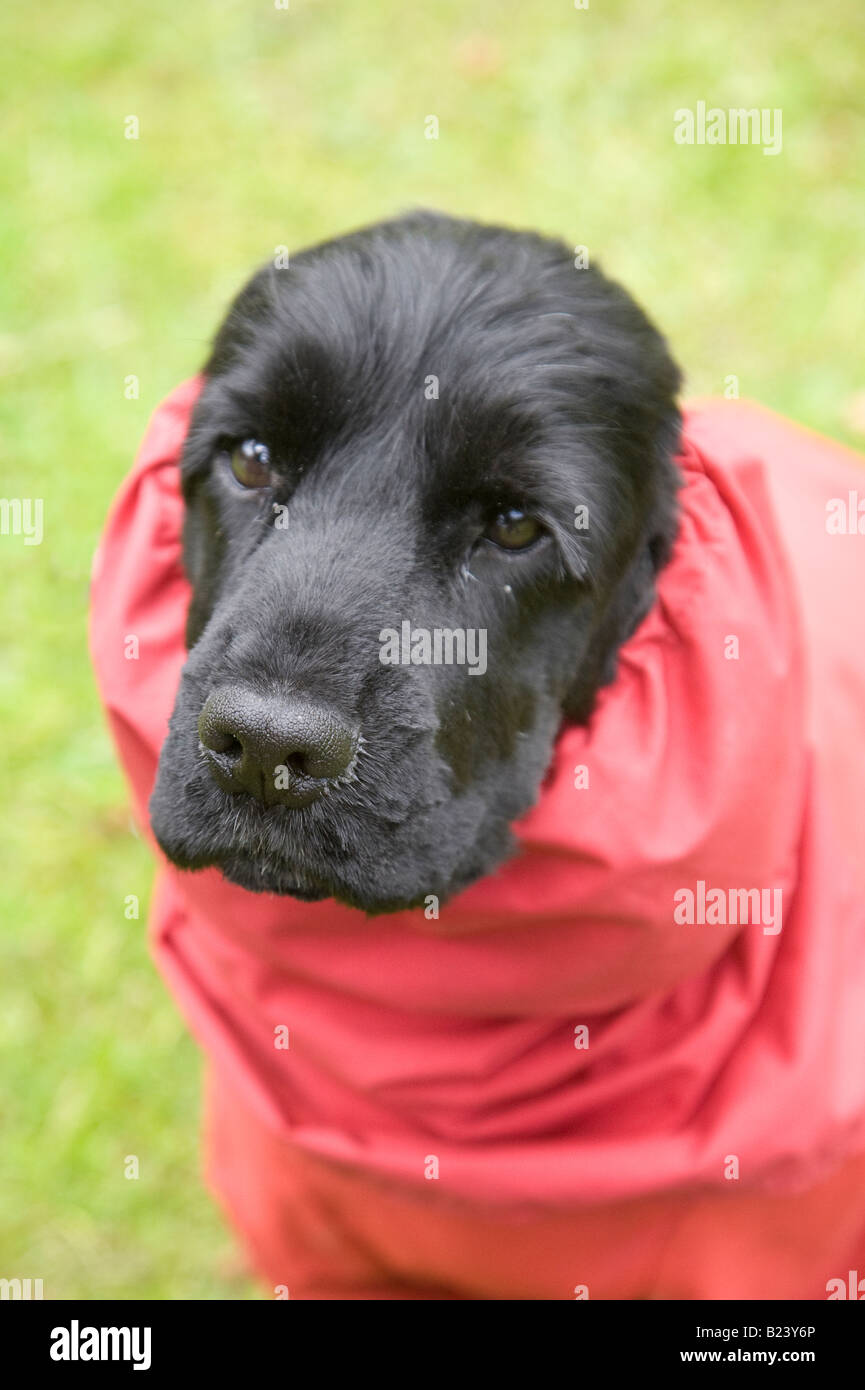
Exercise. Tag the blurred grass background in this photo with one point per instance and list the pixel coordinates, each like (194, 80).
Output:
(261, 127)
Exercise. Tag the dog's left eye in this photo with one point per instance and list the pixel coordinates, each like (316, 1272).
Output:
(250, 464)
(514, 530)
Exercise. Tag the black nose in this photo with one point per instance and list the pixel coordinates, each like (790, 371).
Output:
(281, 750)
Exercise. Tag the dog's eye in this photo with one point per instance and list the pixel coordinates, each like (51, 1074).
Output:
(514, 530)
(250, 464)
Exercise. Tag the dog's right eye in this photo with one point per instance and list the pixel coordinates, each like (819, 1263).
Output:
(250, 464)
(514, 530)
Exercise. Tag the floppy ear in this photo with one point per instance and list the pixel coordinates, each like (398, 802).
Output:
(202, 557)
(635, 593)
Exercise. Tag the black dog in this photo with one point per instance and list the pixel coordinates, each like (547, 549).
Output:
(432, 443)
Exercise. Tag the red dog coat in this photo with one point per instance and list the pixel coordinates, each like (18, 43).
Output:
(629, 1063)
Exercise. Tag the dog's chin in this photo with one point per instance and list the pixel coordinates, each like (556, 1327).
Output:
(255, 877)
(264, 860)
(289, 882)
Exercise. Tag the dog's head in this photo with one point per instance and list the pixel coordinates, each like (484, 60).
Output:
(429, 483)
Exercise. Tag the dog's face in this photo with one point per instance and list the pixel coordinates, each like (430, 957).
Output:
(428, 485)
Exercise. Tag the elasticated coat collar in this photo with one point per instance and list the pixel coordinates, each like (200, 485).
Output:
(672, 969)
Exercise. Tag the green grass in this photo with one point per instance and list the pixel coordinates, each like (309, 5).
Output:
(260, 128)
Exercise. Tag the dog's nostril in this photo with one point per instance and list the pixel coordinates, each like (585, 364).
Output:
(296, 763)
(216, 732)
(222, 742)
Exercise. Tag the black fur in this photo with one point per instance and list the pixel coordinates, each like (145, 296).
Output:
(554, 392)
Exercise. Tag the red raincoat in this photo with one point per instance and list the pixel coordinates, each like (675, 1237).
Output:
(610, 1069)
